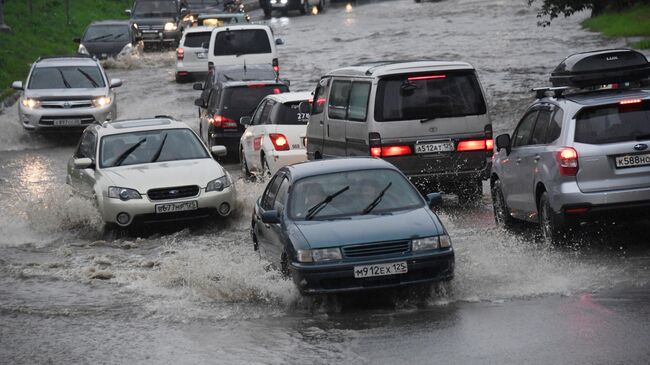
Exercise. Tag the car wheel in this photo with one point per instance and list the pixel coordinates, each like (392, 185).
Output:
(471, 193)
(284, 265)
(266, 171)
(501, 212)
(550, 228)
(246, 173)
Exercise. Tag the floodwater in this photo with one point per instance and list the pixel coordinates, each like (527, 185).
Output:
(71, 293)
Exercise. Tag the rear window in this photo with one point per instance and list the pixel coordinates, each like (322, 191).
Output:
(196, 39)
(613, 123)
(288, 113)
(241, 101)
(66, 77)
(239, 42)
(429, 96)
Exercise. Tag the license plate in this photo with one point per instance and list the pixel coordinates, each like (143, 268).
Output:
(367, 271)
(633, 160)
(201, 55)
(149, 31)
(434, 147)
(64, 122)
(177, 207)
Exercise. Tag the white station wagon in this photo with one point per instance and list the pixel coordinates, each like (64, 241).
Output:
(150, 170)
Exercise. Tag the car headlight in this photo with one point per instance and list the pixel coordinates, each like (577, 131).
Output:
(284, 1)
(431, 243)
(170, 26)
(317, 255)
(123, 193)
(102, 101)
(30, 103)
(82, 50)
(218, 184)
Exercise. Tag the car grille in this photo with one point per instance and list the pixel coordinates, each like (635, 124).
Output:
(375, 249)
(151, 27)
(85, 119)
(173, 192)
(66, 104)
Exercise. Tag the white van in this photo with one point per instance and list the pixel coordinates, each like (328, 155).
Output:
(427, 118)
(245, 44)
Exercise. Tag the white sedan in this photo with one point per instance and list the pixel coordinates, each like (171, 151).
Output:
(275, 134)
(150, 170)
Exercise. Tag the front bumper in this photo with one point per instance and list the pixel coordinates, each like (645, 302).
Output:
(339, 277)
(161, 37)
(143, 211)
(50, 119)
(279, 159)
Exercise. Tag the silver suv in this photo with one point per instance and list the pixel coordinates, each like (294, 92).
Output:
(66, 93)
(581, 152)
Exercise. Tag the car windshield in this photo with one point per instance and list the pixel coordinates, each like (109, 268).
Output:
(150, 147)
(241, 101)
(155, 9)
(288, 113)
(106, 33)
(429, 96)
(364, 188)
(241, 42)
(196, 39)
(614, 123)
(66, 77)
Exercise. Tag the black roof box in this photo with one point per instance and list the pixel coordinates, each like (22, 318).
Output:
(600, 68)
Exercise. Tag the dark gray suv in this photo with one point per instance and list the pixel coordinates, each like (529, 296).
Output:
(581, 150)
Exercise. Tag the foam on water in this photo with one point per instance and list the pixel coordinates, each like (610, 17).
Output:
(141, 60)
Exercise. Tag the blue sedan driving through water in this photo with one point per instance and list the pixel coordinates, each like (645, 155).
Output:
(350, 224)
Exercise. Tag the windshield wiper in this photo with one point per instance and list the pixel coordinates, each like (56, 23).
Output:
(128, 151)
(99, 38)
(92, 81)
(65, 82)
(377, 200)
(311, 212)
(157, 154)
(427, 119)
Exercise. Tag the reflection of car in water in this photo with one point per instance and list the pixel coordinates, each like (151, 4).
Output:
(350, 224)
(160, 22)
(110, 38)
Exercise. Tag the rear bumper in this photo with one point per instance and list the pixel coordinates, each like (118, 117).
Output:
(339, 278)
(230, 140)
(279, 159)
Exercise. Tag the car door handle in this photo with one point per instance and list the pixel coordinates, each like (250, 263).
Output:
(320, 122)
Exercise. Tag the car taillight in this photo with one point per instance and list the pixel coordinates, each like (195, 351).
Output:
(427, 77)
(222, 122)
(630, 101)
(279, 141)
(180, 53)
(276, 66)
(567, 159)
(377, 150)
(475, 145)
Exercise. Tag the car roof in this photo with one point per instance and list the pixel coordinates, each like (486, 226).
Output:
(383, 68)
(291, 96)
(111, 22)
(242, 27)
(333, 165)
(604, 97)
(199, 29)
(222, 15)
(74, 60)
(251, 72)
(138, 125)
(237, 83)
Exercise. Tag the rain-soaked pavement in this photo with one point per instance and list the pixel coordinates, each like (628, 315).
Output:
(70, 293)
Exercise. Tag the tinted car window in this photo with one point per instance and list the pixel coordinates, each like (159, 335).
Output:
(66, 77)
(358, 104)
(258, 113)
(241, 101)
(264, 118)
(364, 187)
(150, 146)
(406, 97)
(155, 9)
(555, 126)
(269, 195)
(539, 132)
(107, 33)
(613, 123)
(230, 43)
(288, 113)
(196, 39)
(281, 195)
(338, 101)
(524, 130)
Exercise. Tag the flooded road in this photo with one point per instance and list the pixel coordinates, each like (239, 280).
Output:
(71, 293)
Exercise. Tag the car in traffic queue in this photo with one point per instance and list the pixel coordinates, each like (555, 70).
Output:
(160, 22)
(196, 8)
(145, 171)
(350, 224)
(580, 151)
(275, 134)
(191, 56)
(303, 6)
(231, 96)
(110, 38)
(428, 118)
(66, 93)
(221, 19)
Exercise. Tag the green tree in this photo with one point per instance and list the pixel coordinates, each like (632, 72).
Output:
(552, 9)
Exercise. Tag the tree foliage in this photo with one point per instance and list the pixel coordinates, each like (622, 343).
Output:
(552, 9)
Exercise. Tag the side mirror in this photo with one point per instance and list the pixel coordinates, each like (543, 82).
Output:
(219, 151)
(304, 107)
(127, 12)
(503, 141)
(287, 82)
(197, 86)
(279, 42)
(271, 217)
(245, 121)
(434, 200)
(183, 12)
(83, 163)
(199, 102)
(205, 45)
(115, 83)
(77, 40)
(138, 38)
(17, 85)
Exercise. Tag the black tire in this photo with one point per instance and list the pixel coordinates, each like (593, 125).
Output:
(502, 216)
(244, 166)
(304, 8)
(284, 265)
(266, 171)
(471, 193)
(551, 229)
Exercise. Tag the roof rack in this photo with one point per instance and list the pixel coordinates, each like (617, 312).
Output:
(541, 92)
(376, 64)
(77, 55)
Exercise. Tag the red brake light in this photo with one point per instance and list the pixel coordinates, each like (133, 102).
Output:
(277, 90)
(180, 53)
(473, 145)
(255, 85)
(276, 69)
(276, 66)
(388, 151)
(630, 101)
(279, 141)
(489, 144)
(375, 151)
(567, 158)
(222, 122)
(429, 77)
